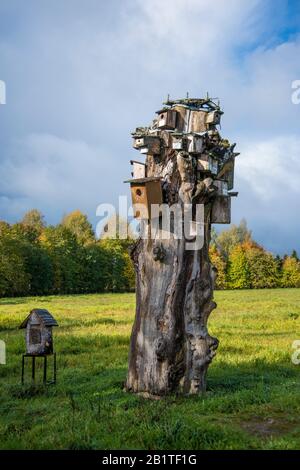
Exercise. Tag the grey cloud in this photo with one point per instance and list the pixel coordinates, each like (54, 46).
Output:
(81, 75)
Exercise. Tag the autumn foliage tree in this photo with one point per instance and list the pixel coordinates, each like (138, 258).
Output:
(36, 259)
(220, 265)
(290, 272)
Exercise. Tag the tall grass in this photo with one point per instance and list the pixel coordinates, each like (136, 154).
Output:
(253, 397)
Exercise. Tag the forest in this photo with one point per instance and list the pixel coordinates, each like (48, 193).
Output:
(67, 258)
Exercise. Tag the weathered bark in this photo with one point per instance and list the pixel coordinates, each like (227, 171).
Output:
(170, 345)
(170, 348)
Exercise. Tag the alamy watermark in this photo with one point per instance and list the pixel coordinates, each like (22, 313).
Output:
(157, 222)
(295, 97)
(2, 92)
(296, 354)
(2, 352)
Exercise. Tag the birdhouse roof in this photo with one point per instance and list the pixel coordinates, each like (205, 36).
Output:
(46, 318)
(139, 163)
(144, 180)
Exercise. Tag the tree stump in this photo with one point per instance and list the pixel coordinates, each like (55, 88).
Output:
(170, 347)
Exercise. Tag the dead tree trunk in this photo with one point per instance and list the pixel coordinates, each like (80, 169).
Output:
(170, 348)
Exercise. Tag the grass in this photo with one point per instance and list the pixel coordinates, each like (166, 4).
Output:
(252, 402)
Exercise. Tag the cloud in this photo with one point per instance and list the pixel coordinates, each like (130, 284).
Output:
(80, 78)
(272, 167)
(54, 174)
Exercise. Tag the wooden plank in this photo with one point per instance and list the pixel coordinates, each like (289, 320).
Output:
(221, 210)
(139, 169)
(197, 122)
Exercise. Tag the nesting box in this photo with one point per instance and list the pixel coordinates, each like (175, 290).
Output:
(38, 336)
(222, 187)
(166, 119)
(227, 173)
(178, 142)
(182, 119)
(208, 164)
(221, 210)
(194, 143)
(149, 144)
(144, 193)
(197, 121)
(139, 169)
(213, 117)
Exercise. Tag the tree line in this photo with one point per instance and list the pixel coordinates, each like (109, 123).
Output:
(36, 259)
(244, 264)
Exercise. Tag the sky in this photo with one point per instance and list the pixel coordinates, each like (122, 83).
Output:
(80, 75)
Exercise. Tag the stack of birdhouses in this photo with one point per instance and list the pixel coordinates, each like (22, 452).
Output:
(186, 125)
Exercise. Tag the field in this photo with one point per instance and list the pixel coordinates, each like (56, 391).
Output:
(253, 397)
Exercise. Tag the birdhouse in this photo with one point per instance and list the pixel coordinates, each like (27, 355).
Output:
(194, 143)
(222, 187)
(208, 164)
(213, 117)
(178, 142)
(166, 119)
(149, 144)
(38, 335)
(221, 210)
(227, 173)
(144, 193)
(197, 121)
(182, 119)
(139, 169)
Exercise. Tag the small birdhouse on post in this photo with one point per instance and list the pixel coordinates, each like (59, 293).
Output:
(39, 339)
(38, 336)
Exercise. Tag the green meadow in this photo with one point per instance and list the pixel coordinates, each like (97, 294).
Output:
(252, 401)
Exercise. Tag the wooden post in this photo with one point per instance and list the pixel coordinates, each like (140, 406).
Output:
(54, 367)
(23, 365)
(33, 369)
(45, 370)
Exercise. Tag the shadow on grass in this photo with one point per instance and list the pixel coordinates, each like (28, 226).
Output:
(225, 377)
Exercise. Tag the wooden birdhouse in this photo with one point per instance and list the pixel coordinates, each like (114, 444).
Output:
(139, 169)
(166, 119)
(148, 144)
(194, 143)
(38, 335)
(213, 117)
(144, 193)
(227, 173)
(182, 119)
(197, 121)
(208, 164)
(178, 142)
(222, 187)
(221, 210)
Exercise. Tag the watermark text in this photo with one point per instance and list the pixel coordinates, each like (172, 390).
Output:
(2, 92)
